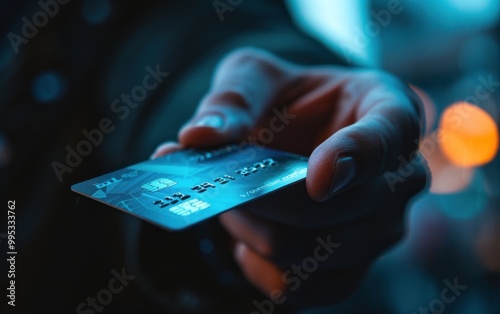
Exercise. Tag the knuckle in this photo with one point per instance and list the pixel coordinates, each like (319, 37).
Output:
(266, 250)
(233, 97)
(258, 60)
(246, 55)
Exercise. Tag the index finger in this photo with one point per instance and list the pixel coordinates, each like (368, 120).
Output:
(244, 87)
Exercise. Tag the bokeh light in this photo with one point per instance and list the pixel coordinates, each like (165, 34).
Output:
(468, 135)
(408, 298)
(445, 177)
(96, 11)
(48, 87)
(467, 203)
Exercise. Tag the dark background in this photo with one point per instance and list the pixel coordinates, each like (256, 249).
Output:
(64, 79)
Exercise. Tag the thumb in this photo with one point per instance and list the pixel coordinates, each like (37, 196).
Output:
(243, 89)
(376, 143)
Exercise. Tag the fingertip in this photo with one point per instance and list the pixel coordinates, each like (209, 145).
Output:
(165, 148)
(216, 128)
(204, 131)
(201, 136)
(239, 252)
(330, 171)
(319, 170)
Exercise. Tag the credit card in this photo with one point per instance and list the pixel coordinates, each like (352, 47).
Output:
(189, 186)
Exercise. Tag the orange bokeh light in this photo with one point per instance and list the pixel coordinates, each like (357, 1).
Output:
(468, 135)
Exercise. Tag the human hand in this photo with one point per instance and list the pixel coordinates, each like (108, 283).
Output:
(356, 126)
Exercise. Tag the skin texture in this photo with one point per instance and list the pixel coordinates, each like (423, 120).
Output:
(337, 112)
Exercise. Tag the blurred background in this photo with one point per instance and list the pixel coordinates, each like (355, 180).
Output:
(63, 79)
(446, 48)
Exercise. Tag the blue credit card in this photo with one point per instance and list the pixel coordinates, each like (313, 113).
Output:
(192, 185)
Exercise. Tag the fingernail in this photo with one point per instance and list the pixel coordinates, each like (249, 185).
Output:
(212, 121)
(345, 171)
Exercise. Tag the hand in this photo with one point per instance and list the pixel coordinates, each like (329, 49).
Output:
(356, 126)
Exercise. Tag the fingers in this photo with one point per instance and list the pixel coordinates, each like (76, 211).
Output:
(386, 132)
(270, 241)
(244, 87)
(316, 266)
(165, 148)
(245, 228)
(317, 288)
(263, 274)
(250, 251)
(324, 287)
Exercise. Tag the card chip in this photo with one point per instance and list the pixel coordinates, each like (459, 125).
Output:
(190, 207)
(189, 186)
(158, 185)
